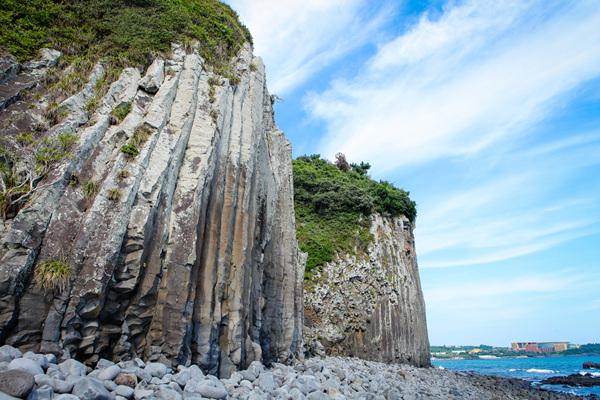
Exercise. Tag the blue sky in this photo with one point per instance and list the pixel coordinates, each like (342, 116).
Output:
(489, 114)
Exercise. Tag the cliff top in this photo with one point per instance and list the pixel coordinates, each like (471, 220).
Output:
(333, 204)
(123, 32)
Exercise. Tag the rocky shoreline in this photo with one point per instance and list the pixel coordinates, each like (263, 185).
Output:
(39, 377)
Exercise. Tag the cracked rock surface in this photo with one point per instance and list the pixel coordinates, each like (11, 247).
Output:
(184, 253)
(371, 305)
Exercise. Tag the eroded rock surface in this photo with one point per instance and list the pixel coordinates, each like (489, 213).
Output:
(371, 305)
(184, 253)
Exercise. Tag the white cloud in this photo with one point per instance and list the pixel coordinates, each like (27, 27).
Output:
(481, 72)
(297, 38)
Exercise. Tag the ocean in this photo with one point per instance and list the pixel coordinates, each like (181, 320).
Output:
(531, 369)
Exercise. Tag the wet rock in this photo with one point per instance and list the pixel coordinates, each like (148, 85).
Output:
(16, 383)
(573, 380)
(591, 365)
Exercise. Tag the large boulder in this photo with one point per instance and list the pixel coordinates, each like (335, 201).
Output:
(91, 389)
(27, 365)
(16, 382)
(72, 367)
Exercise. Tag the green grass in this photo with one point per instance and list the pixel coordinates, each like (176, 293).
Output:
(53, 274)
(130, 150)
(124, 32)
(333, 208)
(54, 150)
(90, 188)
(121, 111)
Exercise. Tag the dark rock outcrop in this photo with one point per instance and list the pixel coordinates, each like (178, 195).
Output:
(371, 305)
(183, 253)
(591, 365)
(573, 380)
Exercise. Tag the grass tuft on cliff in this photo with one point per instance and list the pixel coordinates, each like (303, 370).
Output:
(124, 32)
(333, 203)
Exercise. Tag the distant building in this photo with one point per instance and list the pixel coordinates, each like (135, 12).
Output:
(540, 347)
(474, 351)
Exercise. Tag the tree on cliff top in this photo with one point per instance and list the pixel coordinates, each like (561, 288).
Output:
(333, 205)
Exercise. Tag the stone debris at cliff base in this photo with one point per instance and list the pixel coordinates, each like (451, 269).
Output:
(45, 377)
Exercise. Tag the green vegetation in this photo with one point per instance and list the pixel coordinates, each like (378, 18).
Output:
(124, 32)
(121, 111)
(90, 188)
(140, 136)
(130, 150)
(333, 203)
(54, 150)
(52, 274)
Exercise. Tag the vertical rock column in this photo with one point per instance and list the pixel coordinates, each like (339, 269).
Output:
(371, 305)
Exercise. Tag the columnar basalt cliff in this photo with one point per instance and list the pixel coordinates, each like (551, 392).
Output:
(175, 222)
(371, 305)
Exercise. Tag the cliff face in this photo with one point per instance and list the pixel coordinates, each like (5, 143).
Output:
(183, 253)
(371, 305)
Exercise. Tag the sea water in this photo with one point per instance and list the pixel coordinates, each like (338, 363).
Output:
(533, 369)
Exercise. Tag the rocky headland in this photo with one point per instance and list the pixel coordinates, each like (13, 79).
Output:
(158, 242)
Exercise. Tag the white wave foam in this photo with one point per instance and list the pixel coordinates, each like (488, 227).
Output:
(594, 374)
(440, 367)
(540, 371)
(512, 370)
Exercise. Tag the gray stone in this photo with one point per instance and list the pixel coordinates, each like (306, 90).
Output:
(124, 391)
(25, 364)
(104, 363)
(109, 385)
(165, 393)
(72, 367)
(206, 389)
(9, 353)
(38, 358)
(154, 76)
(91, 389)
(66, 397)
(51, 358)
(266, 381)
(142, 393)
(16, 383)
(48, 58)
(42, 393)
(195, 373)
(109, 373)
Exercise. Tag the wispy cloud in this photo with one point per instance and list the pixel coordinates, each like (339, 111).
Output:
(297, 38)
(483, 71)
(468, 88)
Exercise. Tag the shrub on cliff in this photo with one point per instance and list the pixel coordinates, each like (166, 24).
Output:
(128, 32)
(333, 206)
